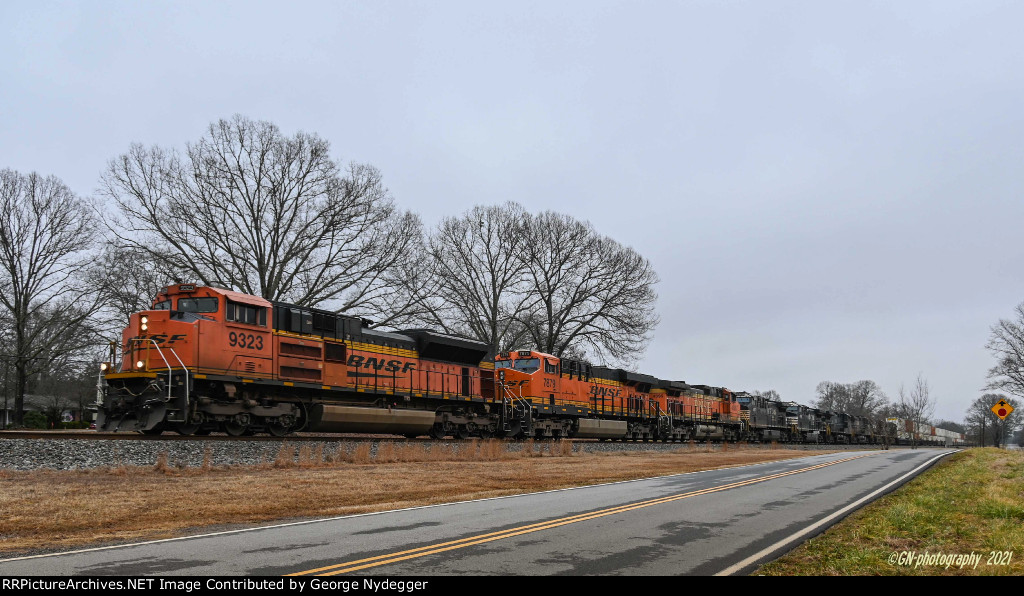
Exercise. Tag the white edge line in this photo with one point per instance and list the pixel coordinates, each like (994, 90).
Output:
(792, 537)
(340, 517)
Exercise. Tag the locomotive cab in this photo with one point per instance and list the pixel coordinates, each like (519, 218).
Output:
(187, 332)
(529, 374)
(159, 337)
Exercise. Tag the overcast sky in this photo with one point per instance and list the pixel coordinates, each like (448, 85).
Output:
(828, 190)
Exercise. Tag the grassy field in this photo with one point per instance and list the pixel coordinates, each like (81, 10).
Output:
(969, 503)
(60, 509)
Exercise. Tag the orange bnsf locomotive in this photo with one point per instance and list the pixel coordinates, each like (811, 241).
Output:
(569, 398)
(204, 359)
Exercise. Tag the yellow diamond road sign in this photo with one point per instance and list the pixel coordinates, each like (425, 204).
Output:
(1002, 409)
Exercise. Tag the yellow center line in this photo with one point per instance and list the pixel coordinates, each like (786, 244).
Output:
(489, 537)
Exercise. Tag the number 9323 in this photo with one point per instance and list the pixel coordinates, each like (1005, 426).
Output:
(245, 340)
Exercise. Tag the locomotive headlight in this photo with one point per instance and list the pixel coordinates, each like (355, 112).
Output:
(140, 364)
(145, 319)
(104, 366)
(144, 326)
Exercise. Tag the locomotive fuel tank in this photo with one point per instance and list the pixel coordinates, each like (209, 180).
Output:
(601, 429)
(705, 431)
(348, 419)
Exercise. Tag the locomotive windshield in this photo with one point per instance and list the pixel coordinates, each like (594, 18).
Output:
(197, 304)
(527, 365)
(162, 305)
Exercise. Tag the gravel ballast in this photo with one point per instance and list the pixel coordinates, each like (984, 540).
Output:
(78, 454)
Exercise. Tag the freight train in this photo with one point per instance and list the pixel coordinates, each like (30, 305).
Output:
(204, 360)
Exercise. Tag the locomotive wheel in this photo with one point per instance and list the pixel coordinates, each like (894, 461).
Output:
(436, 432)
(235, 430)
(278, 431)
(187, 429)
(156, 430)
(461, 433)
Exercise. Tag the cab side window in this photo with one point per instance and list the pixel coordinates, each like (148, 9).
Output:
(245, 313)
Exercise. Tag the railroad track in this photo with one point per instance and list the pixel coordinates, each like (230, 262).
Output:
(336, 438)
(133, 436)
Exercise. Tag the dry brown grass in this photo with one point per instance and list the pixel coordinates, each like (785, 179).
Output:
(60, 509)
(161, 463)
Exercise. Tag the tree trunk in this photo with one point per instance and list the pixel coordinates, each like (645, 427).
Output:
(21, 383)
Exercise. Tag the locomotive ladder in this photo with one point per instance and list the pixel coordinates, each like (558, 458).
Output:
(170, 373)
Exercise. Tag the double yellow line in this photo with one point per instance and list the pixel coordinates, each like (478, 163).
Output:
(424, 551)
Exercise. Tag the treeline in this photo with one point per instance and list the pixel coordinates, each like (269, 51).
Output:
(248, 208)
(866, 398)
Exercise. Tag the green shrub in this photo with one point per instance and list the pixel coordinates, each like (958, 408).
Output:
(34, 420)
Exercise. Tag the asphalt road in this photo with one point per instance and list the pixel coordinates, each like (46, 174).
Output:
(700, 523)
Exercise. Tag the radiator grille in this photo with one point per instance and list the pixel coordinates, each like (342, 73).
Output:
(308, 374)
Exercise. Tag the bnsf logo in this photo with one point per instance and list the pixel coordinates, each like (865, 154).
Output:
(356, 361)
(598, 391)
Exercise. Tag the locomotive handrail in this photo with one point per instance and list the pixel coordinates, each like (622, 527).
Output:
(514, 398)
(101, 384)
(170, 371)
(509, 399)
(522, 400)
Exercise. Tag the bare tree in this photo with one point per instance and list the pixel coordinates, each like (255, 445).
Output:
(253, 210)
(979, 418)
(916, 405)
(44, 232)
(1007, 344)
(479, 279)
(863, 398)
(410, 299)
(769, 394)
(593, 295)
(832, 397)
(6, 366)
(128, 279)
(866, 399)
